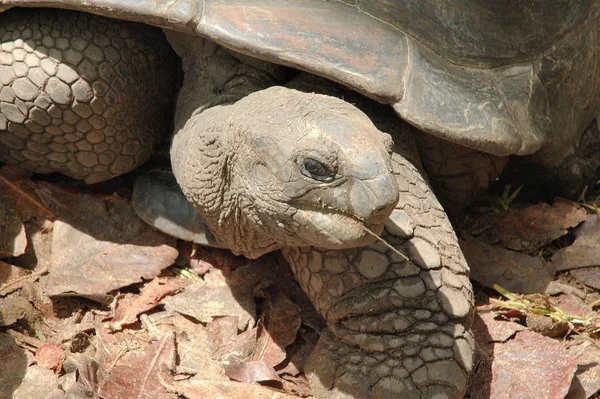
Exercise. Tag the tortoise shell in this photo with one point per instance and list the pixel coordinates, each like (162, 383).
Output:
(507, 77)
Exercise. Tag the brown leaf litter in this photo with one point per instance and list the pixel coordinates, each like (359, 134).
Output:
(195, 323)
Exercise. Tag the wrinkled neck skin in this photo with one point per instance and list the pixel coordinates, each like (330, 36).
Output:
(240, 159)
(213, 79)
(215, 76)
(211, 176)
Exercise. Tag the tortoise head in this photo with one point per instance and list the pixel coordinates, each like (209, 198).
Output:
(286, 168)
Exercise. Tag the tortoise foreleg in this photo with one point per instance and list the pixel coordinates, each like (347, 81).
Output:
(398, 325)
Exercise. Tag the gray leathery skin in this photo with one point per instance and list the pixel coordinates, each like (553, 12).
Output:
(459, 175)
(396, 327)
(82, 95)
(237, 157)
(411, 333)
(240, 165)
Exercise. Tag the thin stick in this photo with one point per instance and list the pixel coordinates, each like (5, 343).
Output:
(152, 364)
(27, 197)
(387, 244)
(4, 288)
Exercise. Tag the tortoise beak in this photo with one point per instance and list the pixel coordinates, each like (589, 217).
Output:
(372, 201)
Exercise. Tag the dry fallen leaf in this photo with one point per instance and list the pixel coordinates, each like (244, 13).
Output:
(585, 250)
(203, 259)
(522, 365)
(13, 240)
(194, 348)
(50, 356)
(87, 374)
(273, 269)
(227, 345)
(298, 352)
(16, 307)
(128, 307)
(13, 365)
(589, 276)
(572, 305)
(292, 378)
(255, 371)
(19, 191)
(518, 272)
(518, 374)
(587, 380)
(281, 321)
(38, 298)
(39, 383)
(214, 297)
(490, 327)
(527, 229)
(198, 389)
(18, 205)
(108, 270)
(11, 278)
(138, 374)
(94, 246)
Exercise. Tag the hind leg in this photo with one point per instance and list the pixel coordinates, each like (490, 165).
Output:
(82, 95)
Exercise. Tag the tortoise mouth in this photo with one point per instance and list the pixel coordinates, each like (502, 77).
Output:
(334, 229)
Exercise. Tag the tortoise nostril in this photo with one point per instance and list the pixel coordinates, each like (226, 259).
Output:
(372, 201)
(382, 213)
(383, 208)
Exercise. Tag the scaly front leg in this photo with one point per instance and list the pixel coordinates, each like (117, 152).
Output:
(282, 168)
(397, 327)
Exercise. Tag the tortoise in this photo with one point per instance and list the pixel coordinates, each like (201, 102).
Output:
(269, 163)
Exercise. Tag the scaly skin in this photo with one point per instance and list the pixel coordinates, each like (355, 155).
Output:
(238, 152)
(409, 340)
(459, 175)
(82, 95)
(397, 327)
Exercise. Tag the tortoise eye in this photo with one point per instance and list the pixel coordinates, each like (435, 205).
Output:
(317, 170)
